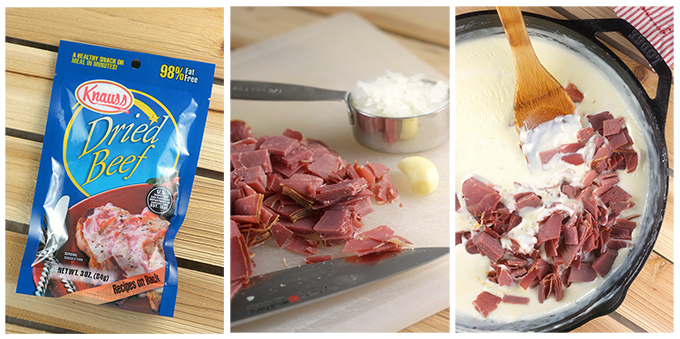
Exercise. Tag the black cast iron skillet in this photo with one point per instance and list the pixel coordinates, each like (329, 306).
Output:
(580, 35)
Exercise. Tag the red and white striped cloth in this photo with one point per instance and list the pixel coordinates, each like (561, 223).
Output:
(655, 23)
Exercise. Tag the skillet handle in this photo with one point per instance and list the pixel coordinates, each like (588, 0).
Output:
(659, 104)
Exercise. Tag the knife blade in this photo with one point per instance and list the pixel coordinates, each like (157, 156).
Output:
(278, 291)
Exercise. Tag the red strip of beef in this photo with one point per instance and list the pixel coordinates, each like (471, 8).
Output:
(550, 284)
(252, 159)
(549, 228)
(550, 247)
(241, 266)
(385, 234)
(325, 166)
(365, 173)
(244, 145)
(485, 303)
(319, 149)
(378, 240)
(479, 197)
(631, 161)
(305, 185)
(602, 153)
(359, 205)
(279, 145)
(334, 223)
(281, 234)
(596, 120)
(313, 259)
(571, 148)
(617, 244)
(570, 190)
(613, 193)
(539, 268)
(574, 94)
(274, 181)
(286, 207)
(240, 130)
(301, 226)
(386, 193)
(612, 126)
(574, 159)
(583, 135)
(527, 199)
(304, 246)
(513, 299)
(253, 177)
(361, 244)
(297, 156)
(571, 232)
(247, 209)
(378, 169)
(589, 178)
(460, 235)
(288, 171)
(582, 273)
(488, 246)
(504, 277)
(295, 135)
(267, 216)
(337, 239)
(327, 195)
(546, 156)
(609, 179)
(604, 263)
(620, 139)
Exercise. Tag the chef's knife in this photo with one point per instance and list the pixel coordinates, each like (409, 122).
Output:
(271, 293)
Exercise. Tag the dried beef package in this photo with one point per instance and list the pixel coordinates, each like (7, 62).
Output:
(121, 146)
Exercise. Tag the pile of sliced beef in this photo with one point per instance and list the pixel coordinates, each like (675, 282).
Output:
(302, 194)
(570, 247)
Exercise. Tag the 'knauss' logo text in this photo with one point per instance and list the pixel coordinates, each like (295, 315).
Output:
(104, 96)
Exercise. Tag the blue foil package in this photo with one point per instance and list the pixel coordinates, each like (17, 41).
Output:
(123, 134)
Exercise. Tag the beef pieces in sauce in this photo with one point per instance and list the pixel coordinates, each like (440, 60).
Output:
(570, 247)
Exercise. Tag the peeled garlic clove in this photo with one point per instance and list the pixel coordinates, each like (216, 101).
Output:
(421, 172)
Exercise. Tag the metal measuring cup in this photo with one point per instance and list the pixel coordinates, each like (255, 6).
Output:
(389, 135)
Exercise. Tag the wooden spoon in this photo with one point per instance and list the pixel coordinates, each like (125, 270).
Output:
(538, 96)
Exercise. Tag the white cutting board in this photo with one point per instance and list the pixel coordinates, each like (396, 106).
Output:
(334, 53)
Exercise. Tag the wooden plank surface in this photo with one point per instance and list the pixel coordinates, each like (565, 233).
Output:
(649, 304)
(423, 31)
(190, 33)
(32, 37)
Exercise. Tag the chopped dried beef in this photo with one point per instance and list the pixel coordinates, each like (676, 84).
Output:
(301, 193)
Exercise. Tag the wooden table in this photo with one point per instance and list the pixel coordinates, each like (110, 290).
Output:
(423, 31)
(32, 37)
(648, 306)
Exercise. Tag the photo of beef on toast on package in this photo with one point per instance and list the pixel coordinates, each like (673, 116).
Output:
(121, 146)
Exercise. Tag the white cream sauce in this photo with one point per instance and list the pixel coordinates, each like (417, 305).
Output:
(487, 147)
